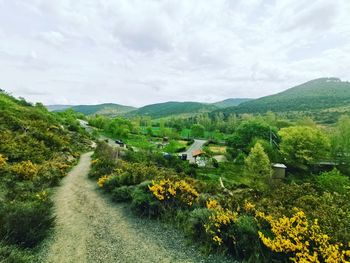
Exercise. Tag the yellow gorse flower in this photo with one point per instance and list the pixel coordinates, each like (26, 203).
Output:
(167, 189)
(218, 219)
(26, 169)
(102, 180)
(3, 161)
(303, 239)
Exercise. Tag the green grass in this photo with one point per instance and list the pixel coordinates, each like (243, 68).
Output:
(231, 174)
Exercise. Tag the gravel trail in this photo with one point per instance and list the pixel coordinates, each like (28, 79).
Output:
(89, 228)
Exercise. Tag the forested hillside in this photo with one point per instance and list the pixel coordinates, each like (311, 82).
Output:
(318, 94)
(230, 102)
(107, 109)
(36, 150)
(172, 108)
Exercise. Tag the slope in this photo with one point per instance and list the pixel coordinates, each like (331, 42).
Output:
(318, 94)
(106, 109)
(172, 108)
(230, 102)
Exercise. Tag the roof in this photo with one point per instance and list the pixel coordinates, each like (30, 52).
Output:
(279, 165)
(197, 153)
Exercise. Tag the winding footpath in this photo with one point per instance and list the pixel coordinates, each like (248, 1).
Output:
(89, 228)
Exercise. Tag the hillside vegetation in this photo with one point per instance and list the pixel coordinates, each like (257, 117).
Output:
(230, 102)
(172, 108)
(318, 94)
(37, 148)
(107, 109)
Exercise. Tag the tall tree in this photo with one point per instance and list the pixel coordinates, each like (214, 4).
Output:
(257, 164)
(302, 146)
(341, 140)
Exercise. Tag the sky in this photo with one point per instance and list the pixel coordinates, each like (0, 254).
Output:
(138, 52)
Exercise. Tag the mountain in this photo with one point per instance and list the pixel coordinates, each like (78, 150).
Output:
(230, 102)
(107, 109)
(58, 107)
(319, 94)
(172, 108)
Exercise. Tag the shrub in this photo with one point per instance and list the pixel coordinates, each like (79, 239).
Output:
(219, 222)
(122, 194)
(333, 181)
(143, 203)
(25, 170)
(25, 223)
(3, 162)
(13, 254)
(302, 240)
(194, 225)
(174, 193)
(247, 244)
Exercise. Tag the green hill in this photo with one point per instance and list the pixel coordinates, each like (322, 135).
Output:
(107, 109)
(319, 94)
(230, 102)
(171, 108)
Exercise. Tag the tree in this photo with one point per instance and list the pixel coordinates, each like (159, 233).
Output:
(197, 131)
(257, 164)
(302, 146)
(246, 133)
(341, 140)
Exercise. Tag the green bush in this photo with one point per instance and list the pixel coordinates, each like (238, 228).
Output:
(333, 181)
(195, 222)
(143, 203)
(13, 254)
(122, 194)
(25, 223)
(247, 244)
(112, 183)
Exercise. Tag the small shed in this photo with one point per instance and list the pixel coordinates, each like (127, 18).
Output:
(279, 171)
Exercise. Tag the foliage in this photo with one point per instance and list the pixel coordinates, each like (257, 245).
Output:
(341, 140)
(26, 223)
(37, 148)
(302, 146)
(122, 194)
(257, 163)
(174, 193)
(219, 221)
(3, 161)
(246, 133)
(25, 170)
(197, 131)
(14, 254)
(334, 181)
(143, 202)
(302, 240)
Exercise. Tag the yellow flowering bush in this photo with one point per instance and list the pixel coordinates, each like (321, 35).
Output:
(173, 190)
(249, 207)
(3, 161)
(94, 162)
(218, 222)
(102, 180)
(42, 196)
(26, 170)
(302, 239)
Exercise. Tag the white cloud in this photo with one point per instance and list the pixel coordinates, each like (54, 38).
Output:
(138, 52)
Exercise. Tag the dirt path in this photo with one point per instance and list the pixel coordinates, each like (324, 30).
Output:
(91, 229)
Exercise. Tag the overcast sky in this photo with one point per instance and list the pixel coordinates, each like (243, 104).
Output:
(140, 52)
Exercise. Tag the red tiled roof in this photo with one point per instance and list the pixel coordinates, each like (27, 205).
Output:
(197, 153)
